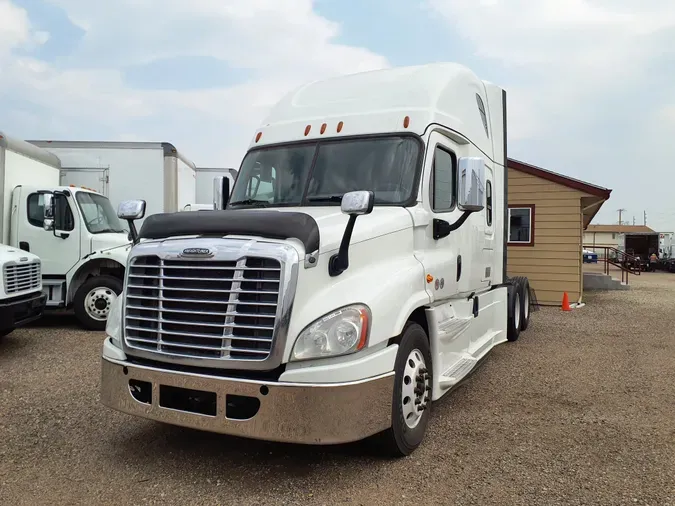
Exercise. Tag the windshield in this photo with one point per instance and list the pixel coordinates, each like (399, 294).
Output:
(98, 213)
(321, 172)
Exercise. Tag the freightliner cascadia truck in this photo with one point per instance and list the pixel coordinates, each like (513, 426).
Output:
(355, 274)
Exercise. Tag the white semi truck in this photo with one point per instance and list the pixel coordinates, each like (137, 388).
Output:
(356, 275)
(118, 170)
(74, 231)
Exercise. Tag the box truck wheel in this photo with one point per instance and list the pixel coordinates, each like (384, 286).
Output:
(93, 300)
(411, 400)
(514, 311)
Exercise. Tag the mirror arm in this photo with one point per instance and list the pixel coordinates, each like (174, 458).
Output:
(133, 233)
(460, 221)
(340, 262)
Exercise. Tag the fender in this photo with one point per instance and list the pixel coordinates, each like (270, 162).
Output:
(391, 284)
(110, 261)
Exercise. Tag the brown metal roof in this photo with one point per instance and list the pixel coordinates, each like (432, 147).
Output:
(616, 229)
(554, 177)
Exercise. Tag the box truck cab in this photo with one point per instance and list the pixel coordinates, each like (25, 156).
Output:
(73, 230)
(357, 274)
(82, 244)
(21, 297)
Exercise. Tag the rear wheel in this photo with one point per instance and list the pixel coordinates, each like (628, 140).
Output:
(411, 400)
(514, 312)
(525, 303)
(93, 300)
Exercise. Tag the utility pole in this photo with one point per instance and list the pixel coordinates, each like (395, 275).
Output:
(645, 218)
(633, 220)
(620, 212)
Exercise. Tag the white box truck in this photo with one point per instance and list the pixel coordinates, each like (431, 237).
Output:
(356, 274)
(118, 170)
(74, 231)
(21, 297)
(205, 177)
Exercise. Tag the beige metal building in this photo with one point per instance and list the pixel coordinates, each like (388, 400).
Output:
(548, 213)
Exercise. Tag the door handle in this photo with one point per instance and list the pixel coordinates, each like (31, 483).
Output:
(459, 267)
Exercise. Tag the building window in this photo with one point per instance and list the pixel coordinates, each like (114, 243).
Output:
(488, 203)
(443, 180)
(521, 225)
(63, 216)
(613, 236)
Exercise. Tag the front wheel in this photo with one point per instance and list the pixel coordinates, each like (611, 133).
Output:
(93, 300)
(411, 401)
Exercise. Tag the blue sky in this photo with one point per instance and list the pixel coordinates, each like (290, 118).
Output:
(589, 81)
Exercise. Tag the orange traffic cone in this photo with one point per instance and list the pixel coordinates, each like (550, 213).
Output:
(566, 303)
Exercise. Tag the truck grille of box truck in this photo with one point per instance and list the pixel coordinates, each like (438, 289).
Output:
(202, 308)
(21, 277)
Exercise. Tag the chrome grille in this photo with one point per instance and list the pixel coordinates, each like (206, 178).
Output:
(202, 308)
(21, 277)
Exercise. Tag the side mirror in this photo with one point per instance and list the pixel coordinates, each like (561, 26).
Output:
(48, 218)
(221, 192)
(354, 204)
(357, 203)
(131, 210)
(471, 184)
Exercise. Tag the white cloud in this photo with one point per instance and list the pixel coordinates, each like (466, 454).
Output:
(15, 29)
(586, 81)
(283, 44)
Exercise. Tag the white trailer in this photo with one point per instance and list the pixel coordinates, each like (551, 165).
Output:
(357, 274)
(666, 245)
(205, 177)
(120, 170)
(74, 231)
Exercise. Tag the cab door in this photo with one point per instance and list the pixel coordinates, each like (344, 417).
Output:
(442, 256)
(58, 249)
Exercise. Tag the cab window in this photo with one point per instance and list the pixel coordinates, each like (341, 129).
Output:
(63, 216)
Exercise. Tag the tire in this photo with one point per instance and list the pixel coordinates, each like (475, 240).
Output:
(525, 303)
(514, 305)
(92, 300)
(402, 438)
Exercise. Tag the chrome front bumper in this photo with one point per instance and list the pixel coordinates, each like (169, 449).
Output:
(329, 413)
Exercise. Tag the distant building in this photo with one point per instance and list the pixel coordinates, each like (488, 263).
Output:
(608, 235)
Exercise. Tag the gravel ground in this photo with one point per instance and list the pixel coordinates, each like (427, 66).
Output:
(579, 411)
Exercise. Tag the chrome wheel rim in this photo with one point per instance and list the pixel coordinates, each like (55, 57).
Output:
(98, 301)
(416, 389)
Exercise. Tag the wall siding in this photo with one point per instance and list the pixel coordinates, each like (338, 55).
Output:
(553, 265)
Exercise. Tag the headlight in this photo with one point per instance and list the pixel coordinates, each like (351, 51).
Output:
(338, 333)
(113, 326)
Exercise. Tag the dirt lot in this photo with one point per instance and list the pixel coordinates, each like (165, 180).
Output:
(579, 411)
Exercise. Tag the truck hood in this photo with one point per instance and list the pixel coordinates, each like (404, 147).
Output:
(104, 242)
(9, 254)
(332, 223)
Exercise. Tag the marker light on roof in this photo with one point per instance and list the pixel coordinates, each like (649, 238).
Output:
(307, 129)
(323, 128)
(406, 121)
(340, 125)
(258, 136)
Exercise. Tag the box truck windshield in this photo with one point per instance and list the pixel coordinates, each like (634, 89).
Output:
(98, 213)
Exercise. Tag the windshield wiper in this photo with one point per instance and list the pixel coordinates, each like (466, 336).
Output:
(249, 202)
(326, 198)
